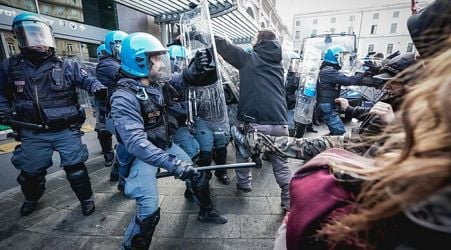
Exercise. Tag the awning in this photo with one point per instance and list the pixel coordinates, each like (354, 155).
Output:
(227, 17)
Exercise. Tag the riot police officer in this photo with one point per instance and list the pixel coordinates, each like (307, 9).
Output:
(139, 111)
(329, 85)
(106, 72)
(39, 89)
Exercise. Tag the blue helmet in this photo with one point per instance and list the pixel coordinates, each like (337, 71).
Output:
(178, 55)
(100, 50)
(333, 54)
(177, 51)
(113, 41)
(142, 55)
(32, 31)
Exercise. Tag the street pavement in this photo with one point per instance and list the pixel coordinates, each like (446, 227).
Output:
(253, 218)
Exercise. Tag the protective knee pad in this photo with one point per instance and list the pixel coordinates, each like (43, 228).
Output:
(32, 185)
(204, 158)
(106, 143)
(78, 177)
(147, 228)
(220, 155)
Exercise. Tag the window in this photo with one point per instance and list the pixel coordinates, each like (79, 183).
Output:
(314, 32)
(410, 47)
(395, 14)
(298, 35)
(389, 48)
(351, 18)
(315, 21)
(376, 16)
(333, 19)
(69, 47)
(370, 48)
(298, 23)
(250, 12)
(393, 27)
(332, 30)
(373, 29)
(350, 29)
(29, 5)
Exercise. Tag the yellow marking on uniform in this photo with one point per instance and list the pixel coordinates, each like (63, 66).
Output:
(8, 147)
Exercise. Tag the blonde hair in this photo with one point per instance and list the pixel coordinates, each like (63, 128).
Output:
(415, 161)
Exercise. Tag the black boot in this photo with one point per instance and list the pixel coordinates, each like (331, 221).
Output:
(120, 184)
(106, 143)
(147, 226)
(211, 215)
(33, 187)
(310, 128)
(109, 158)
(220, 157)
(300, 130)
(78, 177)
(114, 175)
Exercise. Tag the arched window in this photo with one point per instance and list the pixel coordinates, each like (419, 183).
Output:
(263, 25)
(250, 12)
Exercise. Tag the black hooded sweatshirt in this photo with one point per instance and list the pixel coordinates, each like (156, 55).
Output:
(262, 91)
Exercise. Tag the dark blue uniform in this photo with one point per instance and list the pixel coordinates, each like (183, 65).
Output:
(46, 94)
(106, 72)
(328, 89)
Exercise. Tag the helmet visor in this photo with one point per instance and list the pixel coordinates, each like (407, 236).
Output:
(159, 67)
(178, 64)
(34, 34)
(344, 59)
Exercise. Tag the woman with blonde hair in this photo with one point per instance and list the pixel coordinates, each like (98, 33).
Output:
(405, 200)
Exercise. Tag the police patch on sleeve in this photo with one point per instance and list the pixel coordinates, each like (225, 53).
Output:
(83, 72)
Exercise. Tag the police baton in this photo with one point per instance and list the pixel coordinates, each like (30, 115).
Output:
(21, 124)
(216, 167)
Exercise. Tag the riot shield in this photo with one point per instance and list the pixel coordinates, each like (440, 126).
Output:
(206, 102)
(306, 93)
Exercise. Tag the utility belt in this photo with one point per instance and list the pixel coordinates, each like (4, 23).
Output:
(327, 96)
(73, 117)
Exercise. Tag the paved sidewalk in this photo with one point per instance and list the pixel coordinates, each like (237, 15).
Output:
(59, 224)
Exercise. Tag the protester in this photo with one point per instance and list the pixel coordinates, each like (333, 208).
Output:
(262, 103)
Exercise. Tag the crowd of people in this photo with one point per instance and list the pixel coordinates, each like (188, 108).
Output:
(385, 186)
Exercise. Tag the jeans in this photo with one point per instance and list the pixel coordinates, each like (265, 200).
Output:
(331, 118)
(141, 185)
(185, 140)
(208, 138)
(290, 114)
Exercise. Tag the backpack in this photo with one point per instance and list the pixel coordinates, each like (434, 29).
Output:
(317, 195)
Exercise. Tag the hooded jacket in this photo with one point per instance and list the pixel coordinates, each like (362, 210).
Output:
(262, 91)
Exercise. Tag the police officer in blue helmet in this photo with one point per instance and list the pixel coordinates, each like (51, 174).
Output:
(100, 51)
(106, 72)
(38, 89)
(329, 85)
(139, 111)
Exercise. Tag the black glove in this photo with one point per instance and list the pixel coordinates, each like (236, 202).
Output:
(101, 93)
(372, 68)
(201, 71)
(184, 170)
(5, 117)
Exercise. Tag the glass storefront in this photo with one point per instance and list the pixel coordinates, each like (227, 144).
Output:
(22, 4)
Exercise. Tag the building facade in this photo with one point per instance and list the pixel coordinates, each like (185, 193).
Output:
(79, 25)
(377, 29)
(265, 14)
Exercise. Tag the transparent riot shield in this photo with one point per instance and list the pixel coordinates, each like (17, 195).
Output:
(206, 102)
(306, 93)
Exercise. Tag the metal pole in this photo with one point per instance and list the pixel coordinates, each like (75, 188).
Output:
(217, 167)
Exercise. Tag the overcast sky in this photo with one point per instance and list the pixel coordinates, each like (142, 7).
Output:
(287, 8)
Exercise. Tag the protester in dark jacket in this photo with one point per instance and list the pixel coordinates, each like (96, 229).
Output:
(262, 103)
